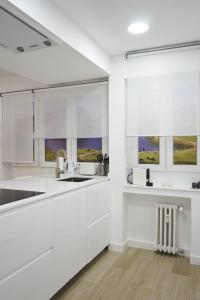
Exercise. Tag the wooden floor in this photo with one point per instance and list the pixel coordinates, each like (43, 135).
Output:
(135, 274)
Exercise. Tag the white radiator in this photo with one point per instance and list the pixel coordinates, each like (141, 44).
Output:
(166, 226)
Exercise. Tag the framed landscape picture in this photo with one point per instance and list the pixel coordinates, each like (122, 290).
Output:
(149, 150)
(185, 150)
(88, 149)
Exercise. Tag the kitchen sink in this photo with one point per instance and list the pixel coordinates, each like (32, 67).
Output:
(75, 179)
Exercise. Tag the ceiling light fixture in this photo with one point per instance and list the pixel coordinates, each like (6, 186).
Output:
(138, 28)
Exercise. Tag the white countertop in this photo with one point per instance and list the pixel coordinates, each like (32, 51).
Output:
(49, 185)
(174, 191)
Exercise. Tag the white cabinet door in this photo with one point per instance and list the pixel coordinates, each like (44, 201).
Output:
(98, 201)
(98, 236)
(70, 234)
(25, 234)
(31, 282)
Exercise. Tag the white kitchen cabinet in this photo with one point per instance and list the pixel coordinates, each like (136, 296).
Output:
(25, 234)
(70, 236)
(44, 244)
(31, 282)
(98, 236)
(98, 201)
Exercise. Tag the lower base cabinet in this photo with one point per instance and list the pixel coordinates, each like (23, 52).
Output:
(32, 282)
(70, 236)
(44, 245)
(98, 236)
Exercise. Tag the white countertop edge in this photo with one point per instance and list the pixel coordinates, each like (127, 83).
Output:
(47, 195)
(167, 190)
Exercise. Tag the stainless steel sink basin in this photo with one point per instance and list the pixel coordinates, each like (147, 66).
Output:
(75, 179)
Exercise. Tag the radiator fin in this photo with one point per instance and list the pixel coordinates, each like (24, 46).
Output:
(166, 219)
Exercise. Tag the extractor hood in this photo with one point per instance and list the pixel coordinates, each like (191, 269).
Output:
(18, 36)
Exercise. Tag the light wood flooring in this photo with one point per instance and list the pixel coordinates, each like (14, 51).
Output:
(134, 274)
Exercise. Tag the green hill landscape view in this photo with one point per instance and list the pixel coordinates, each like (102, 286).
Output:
(185, 150)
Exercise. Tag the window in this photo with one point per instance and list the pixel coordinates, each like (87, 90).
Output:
(185, 150)
(52, 146)
(146, 152)
(149, 150)
(88, 149)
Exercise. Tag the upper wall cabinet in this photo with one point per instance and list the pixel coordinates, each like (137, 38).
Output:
(163, 105)
(71, 112)
(18, 128)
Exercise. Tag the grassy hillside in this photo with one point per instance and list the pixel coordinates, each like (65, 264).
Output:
(185, 150)
(88, 155)
(154, 139)
(148, 157)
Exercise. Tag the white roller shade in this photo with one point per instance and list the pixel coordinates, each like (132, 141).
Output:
(18, 128)
(144, 106)
(92, 111)
(71, 112)
(52, 113)
(163, 105)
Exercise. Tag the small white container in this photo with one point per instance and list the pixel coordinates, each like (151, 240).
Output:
(87, 168)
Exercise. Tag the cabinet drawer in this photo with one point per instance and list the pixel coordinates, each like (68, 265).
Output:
(98, 237)
(32, 282)
(98, 201)
(70, 236)
(25, 234)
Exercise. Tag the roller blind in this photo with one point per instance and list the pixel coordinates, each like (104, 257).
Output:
(71, 112)
(164, 105)
(92, 111)
(52, 113)
(163, 94)
(18, 128)
(144, 106)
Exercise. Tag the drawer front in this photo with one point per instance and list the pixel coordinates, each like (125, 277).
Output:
(98, 237)
(32, 282)
(70, 234)
(98, 201)
(25, 234)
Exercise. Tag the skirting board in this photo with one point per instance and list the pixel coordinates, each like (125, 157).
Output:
(146, 245)
(195, 260)
(140, 244)
(118, 247)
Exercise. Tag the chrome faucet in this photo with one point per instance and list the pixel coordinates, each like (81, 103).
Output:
(60, 153)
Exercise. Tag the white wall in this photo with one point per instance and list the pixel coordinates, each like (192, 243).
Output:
(117, 150)
(142, 220)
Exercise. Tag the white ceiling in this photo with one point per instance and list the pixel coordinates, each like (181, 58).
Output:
(106, 21)
(42, 67)
(50, 65)
(10, 82)
(5, 73)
